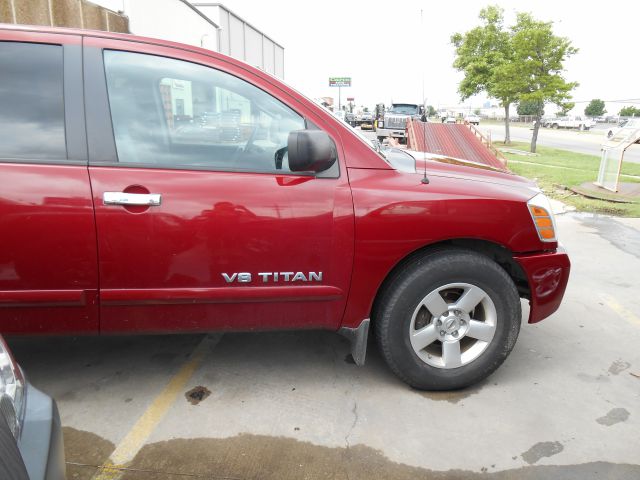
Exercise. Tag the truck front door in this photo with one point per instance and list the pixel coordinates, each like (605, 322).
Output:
(201, 226)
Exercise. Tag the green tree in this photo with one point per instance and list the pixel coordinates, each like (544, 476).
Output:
(477, 111)
(482, 54)
(595, 108)
(537, 64)
(565, 108)
(431, 112)
(629, 112)
(529, 108)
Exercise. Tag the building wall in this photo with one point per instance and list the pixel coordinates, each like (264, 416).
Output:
(170, 20)
(241, 40)
(62, 13)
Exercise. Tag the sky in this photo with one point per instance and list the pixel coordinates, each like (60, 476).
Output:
(391, 54)
(387, 50)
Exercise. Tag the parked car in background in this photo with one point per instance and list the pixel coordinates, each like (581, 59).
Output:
(350, 118)
(365, 121)
(472, 119)
(544, 122)
(115, 221)
(450, 119)
(580, 123)
(29, 420)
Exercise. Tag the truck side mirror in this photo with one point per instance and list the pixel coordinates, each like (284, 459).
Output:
(310, 151)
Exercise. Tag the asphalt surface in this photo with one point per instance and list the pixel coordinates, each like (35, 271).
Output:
(581, 142)
(565, 405)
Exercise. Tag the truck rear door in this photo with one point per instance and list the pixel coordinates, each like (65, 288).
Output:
(48, 257)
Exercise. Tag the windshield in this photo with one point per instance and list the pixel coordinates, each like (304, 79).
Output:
(403, 108)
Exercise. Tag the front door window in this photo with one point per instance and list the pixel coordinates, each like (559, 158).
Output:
(175, 114)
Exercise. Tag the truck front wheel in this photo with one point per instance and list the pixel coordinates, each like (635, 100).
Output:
(448, 320)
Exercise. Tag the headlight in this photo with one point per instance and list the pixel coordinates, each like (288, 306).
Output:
(543, 218)
(11, 389)
(381, 123)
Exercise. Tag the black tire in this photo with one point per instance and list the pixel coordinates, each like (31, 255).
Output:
(394, 309)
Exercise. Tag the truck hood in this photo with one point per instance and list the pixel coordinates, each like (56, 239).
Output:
(442, 166)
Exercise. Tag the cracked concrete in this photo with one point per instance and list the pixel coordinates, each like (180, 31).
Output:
(353, 425)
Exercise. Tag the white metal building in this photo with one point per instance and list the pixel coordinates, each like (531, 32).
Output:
(239, 39)
(203, 24)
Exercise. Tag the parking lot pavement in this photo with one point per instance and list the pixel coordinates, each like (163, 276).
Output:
(566, 404)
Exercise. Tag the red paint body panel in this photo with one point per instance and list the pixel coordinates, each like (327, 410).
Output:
(160, 269)
(396, 215)
(548, 274)
(21, 33)
(48, 256)
(210, 223)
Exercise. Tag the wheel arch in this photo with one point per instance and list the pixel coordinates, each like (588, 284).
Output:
(496, 252)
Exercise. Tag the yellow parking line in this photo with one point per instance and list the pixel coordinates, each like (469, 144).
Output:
(146, 424)
(625, 313)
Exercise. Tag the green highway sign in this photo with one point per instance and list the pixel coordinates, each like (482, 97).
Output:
(339, 81)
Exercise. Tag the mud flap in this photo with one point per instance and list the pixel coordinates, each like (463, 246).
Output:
(358, 338)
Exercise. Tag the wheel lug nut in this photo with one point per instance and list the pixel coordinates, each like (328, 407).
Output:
(442, 332)
(455, 334)
(439, 322)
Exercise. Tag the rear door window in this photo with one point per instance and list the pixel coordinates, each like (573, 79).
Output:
(31, 101)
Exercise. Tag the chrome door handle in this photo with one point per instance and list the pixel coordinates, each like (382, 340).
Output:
(122, 198)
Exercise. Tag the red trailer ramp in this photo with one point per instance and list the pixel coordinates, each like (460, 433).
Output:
(458, 141)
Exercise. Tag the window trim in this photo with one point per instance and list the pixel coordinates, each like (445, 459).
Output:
(100, 137)
(99, 118)
(146, 166)
(73, 91)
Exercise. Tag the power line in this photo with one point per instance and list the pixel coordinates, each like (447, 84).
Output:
(630, 100)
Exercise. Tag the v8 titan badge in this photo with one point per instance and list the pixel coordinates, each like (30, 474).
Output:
(273, 277)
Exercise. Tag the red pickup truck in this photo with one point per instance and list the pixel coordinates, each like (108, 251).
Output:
(148, 186)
